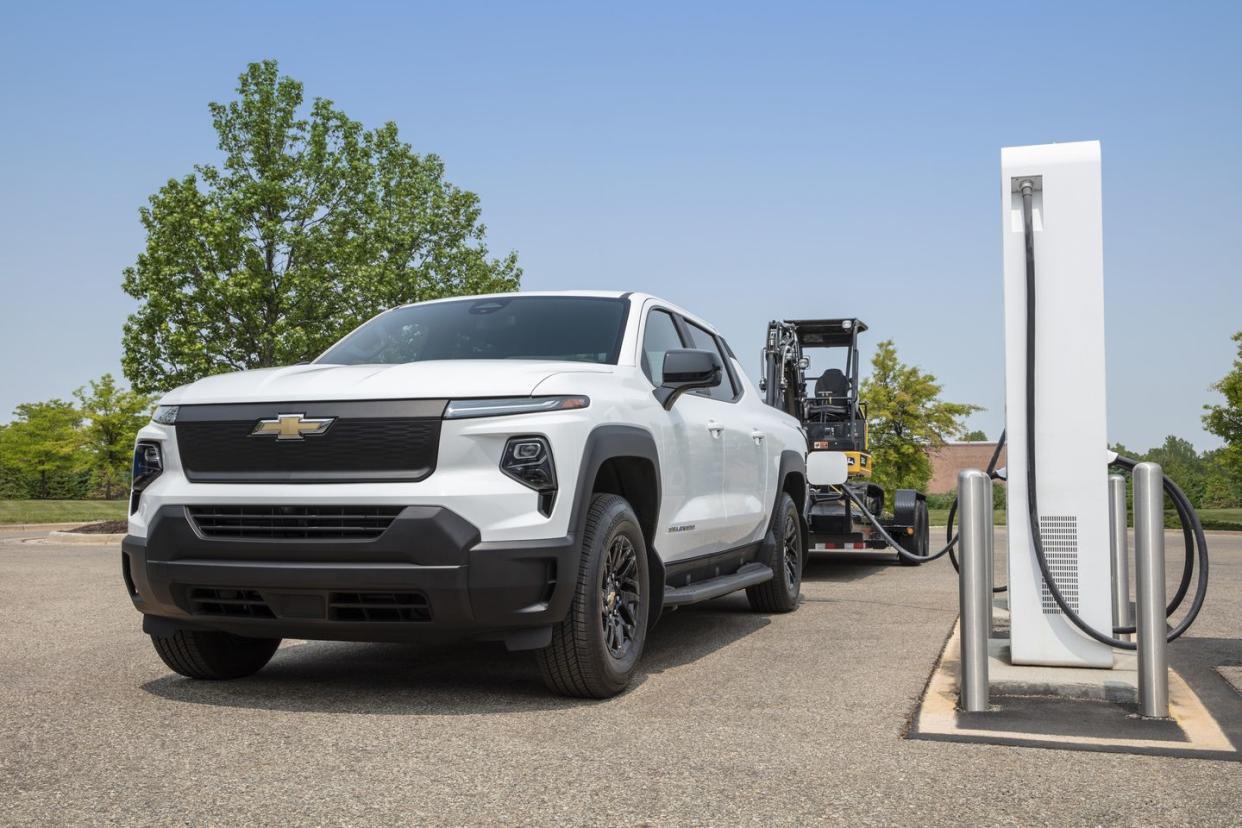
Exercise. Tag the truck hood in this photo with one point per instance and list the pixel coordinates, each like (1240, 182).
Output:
(447, 379)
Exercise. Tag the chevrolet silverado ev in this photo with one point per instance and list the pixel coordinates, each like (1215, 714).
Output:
(549, 470)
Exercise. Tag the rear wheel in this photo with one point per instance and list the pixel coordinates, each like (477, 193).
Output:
(781, 593)
(207, 654)
(919, 543)
(595, 649)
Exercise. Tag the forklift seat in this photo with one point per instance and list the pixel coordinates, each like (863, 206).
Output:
(834, 385)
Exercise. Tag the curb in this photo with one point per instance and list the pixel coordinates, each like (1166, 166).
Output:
(34, 527)
(85, 538)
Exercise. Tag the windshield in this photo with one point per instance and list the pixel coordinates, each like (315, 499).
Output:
(572, 328)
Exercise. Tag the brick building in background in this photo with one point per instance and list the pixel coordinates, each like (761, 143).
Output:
(953, 457)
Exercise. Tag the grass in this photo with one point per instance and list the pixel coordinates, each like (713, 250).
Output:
(60, 511)
(1230, 519)
(1221, 518)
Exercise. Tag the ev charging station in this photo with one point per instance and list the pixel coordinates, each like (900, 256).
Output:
(1071, 426)
(1068, 568)
(1069, 590)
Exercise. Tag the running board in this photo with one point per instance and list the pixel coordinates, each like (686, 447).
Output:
(749, 575)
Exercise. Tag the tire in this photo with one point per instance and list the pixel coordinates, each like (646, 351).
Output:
(595, 649)
(920, 543)
(206, 654)
(786, 558)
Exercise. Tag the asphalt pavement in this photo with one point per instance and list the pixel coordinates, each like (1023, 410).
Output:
(738, 718)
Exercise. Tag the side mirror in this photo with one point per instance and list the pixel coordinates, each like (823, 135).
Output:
(827, 468)
(685, 370)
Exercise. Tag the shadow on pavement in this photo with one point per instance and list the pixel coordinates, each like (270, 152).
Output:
(467, 678)
(847, 566)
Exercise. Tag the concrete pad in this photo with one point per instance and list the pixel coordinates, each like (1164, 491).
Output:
(1069, 723)
(1119, 685)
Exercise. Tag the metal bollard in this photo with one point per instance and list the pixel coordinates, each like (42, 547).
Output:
(989, 556)
(1122, 616)
(1153, 668)
(974, 498)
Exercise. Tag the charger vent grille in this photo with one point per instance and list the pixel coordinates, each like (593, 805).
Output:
(1060, 536)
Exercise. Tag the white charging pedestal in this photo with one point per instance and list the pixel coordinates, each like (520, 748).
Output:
(1071, 429)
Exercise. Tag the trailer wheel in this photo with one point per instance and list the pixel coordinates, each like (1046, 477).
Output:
(919, 542)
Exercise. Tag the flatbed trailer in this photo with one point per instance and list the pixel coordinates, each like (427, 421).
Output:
(835, 420)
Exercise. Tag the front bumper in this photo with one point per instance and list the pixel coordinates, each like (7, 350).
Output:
(294, 588)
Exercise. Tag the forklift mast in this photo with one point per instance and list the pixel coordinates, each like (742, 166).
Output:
(830, 411)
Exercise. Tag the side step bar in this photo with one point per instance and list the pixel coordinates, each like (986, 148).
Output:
(749, 575)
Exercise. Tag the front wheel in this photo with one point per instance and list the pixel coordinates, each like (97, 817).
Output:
(596, 647)
(781, 593)
(212, 655)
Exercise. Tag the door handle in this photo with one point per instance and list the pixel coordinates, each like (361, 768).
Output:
(757, 436)
(714, 427)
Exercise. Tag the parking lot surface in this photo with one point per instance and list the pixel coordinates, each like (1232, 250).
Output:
(737, 718)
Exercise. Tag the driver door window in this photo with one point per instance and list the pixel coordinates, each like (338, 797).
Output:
(660, 337)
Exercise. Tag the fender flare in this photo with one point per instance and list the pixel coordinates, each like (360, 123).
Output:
(607, 442)
(905, 502)
(792, 462)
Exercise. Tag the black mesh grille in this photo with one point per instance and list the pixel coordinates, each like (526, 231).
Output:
(305, 522)
(378, 606)
(387, 440)
(235, 603)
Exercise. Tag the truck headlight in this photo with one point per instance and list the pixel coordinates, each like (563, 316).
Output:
(165, 414)
(504, 406)
(148, 465)
(528, 460)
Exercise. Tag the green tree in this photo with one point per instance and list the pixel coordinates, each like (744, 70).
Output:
(309, 226)
(112, 417)
(905, 416)
(1225, 419)
(1181, 464)
(975, 437)
(1222, 483)
(41, 450)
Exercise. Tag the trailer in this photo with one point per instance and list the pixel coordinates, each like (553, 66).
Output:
(835, 420)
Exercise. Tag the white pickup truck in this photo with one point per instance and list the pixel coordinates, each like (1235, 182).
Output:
(550, 470)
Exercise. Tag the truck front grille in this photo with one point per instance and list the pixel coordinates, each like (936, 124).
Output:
(362, 442)
(298, 522)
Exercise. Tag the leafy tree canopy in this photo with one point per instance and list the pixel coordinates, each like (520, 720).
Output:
(310, 225)
(905, 415)
(1225, 419)
(41, 450)
(975, 436)
(1183, 465)
(111, 419)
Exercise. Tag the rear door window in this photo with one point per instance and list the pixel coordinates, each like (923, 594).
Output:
(703, 340)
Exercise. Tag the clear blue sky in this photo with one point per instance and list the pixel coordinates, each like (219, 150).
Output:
(749, 162)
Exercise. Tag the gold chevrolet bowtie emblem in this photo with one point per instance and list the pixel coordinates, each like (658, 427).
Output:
(292, 426)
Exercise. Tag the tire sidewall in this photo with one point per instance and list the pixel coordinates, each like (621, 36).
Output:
(787, 510)
(618, 519)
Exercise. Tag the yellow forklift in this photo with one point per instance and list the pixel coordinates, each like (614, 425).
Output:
(835, 419)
